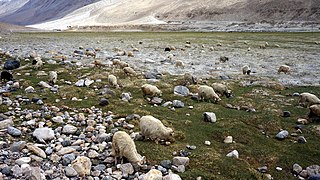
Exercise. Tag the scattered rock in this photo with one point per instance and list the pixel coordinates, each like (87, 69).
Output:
(263, 169)
(43, 134)
(69, 129)
(234, 154)
(13, 131)
(208, 143)
(209, 117)
(176, 161)
(302, 140)
(177, 104)
(286, 114)
(82, 165)
(152, 174)
(104, 102)
(228, 140)
(282, 135)
(181, 91)
(296, 168)
(36, 150)
(4, 124)
(126, 169)
(70, 172)
(166, 164)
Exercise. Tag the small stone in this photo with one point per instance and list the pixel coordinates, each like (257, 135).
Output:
(179, 169)
(282, 135)
(156, 100)
(126, 97)
(180, 161)
(302, 121)
(296, 168)
(104, 102)
(191, 147)
(65, 150)
(17, 146)
(36, 173)
(70, 172)
(153, 174)
(4, 124)
(302, 140)
(93, 154)
(82, 165)
(313, 170)
(278, 168)
(43, 134)
(29, 89)
(17, 171)
(295, 94)
(36, 150)
(208, 143)
(233, 153)
(100, 167)
(13, 131)
(286, 114)
(126, 169)
(166, 164)
(314, 177)
(80, 83)
(228, 140)
(172, 176)
(57, 119)
(263, 169)
(69, 129)
(181, 91)
(68, 158)
(23, 160)
(6, 171)
(209, 117)
(166, 104)
(177, 104)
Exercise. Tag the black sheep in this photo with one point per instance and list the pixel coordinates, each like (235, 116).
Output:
(6, 76)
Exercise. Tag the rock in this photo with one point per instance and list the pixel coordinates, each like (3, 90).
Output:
(282, 135)
(36, 150)
(17, 171)
(104, 102)
(29, 89)
(172, 176)
(126, 169)
(23, 160)
(13, 131)
(132, 117)
(153, 174)
(88, 82)
(36, 174)
(156, 100)
(126, 97)
(314, 177)
(302, 121)
(6, 171)
(180, 161)
(70, 172)
(44, 84)
(43, 134)
(82, 165)
(93, 154)
(313, 170)
(296, 94)
(17, 146)
(68, 158)
(191, 147)
(302, 140)
(228, 140)
(4, 124)
(234, 154)
(263, 169)
(177, 104)
(65, 150)
(11, 65)
(278, 168)
(286, 114)
(69, 129)
(181, 91)
(152, 75)
(80, 83)
(209, 117)
(296, 168)
(208, 143)
(100, 167)
(166, 164)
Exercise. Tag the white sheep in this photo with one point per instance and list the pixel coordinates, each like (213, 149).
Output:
(112, 79)
(284, 68)
(179, 63)
(129, 71)
(314, 110)
(207, 93)
(118, 63)
(246, 69)
(222, 89)
(308, 99)
(124, 146)
(53, 76)
(153, 128)
(150, 90)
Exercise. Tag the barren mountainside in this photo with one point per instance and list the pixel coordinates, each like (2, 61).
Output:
(50, 14)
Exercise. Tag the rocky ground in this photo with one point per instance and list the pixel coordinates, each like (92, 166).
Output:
(65, 130)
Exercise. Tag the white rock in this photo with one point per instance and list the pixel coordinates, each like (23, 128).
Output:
(80, 83)
(36, 150)
(153, 174)
(172, 176)
(69, 129)
(180, 161)
(209, 117)
(88, 82)
(208, 143)
(29, 89)
(57, 119)
(44, 84)
(65, 150)
(43, 134)
(5, 123)
(23, 160)
(233, 153)
(228, 140)
(82, 165)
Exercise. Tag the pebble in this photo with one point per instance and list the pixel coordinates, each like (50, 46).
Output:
(208, 143)
(263, 169)
(70, 172)
(177, 104)
(13, 131)
(176, 161)
(234, 154)
(181, 91)
(209, 117)
(302, 140)
(23, 160)
(282, 135)
(296, 168)
(153, 174)
(104, 102)
(286, 114)
(228, 140)
(4, 124)
(166, 164)
(278, 168)
(43, 134)
(69, 129)
(36, 150)
(82, 165)
(126, 169)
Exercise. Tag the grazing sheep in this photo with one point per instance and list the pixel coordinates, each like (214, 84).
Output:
(129, 71)
(179, 63)
(222, 89)
(112, 79)
(153, 128)
(124, 146)
(118, 63)
(314, 110)
(150, 90)
(190, 79)
(308, 99)
(6, 76)
(207, 93)
(53, 76)
(283, 68)
(246, 69)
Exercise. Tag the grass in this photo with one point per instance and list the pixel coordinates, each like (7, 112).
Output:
(253, 132)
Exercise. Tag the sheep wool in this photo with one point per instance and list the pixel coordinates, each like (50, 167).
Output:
(124, 146)
(222, 89)
(53, 76)
(129, 71)
(308, 99)
(112, 79)
(153, 128)
(150, 90)
(284, 68)
(315, 110)
(207, 93)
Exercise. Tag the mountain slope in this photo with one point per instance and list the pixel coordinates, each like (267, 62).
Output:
(37, 11)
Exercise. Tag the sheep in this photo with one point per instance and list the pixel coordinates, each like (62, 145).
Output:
(246, 69)
(129, 71)
(207, 93)
(124, 146)
(53, 76)
(179, 63)
(314, 110)
(153, 128)
(150, 90)
(308, 99)
(284, 68)
(112, 79)
(190, 79)
(118, 63)
(222, 89)
(6, 76)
